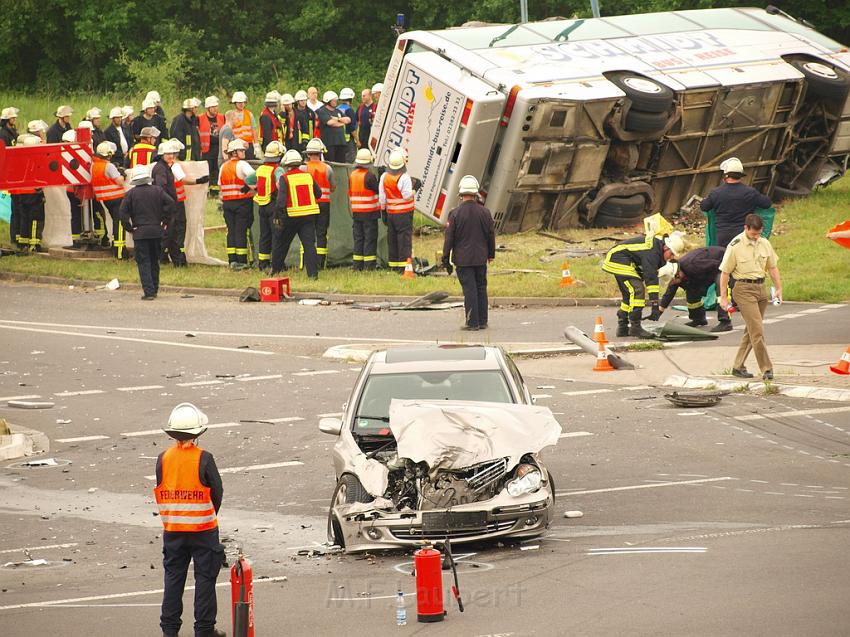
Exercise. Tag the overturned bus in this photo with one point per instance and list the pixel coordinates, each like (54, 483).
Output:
(599, 121)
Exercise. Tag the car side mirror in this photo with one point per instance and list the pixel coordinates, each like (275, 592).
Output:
(330, 426)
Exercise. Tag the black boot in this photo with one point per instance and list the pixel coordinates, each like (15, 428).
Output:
(697, 316)
(622, 323)
(636, 329)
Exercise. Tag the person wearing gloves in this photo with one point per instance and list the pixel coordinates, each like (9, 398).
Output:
(470, 244)
(244, 124)
(396, 197)
(365, 210)
(332, 127)
(695, 272)
(236, 196)
(144, 210)
(108, 186)
(635, 264)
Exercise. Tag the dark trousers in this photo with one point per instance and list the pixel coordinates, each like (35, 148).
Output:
(694, 295)
(473, 280)
(15, 220)
(27, 222)
(178, 549)
(399, 239)
(249, 152)
(76, 216)
(119, 236)
(350, 150)
(323, 222)
(99, 223)
(365, 231)
(238, 215)
(147, 259)
(264, 249)
(212, 161)
(305, 229)
(336, 154)
(175, 237)
(633, 292)
(725, 235)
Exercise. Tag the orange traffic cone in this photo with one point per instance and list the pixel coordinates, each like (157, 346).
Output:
(599, 332)
(408, 270)
(602, 364)
(843, 364)
(566, 278)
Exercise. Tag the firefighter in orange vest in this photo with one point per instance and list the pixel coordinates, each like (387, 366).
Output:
(142, 153)
(209, 125)
(27, 223)
(236, 203)
(396, 197)
(365, 211)
(295, 213)
(288, 123)
(188, 494)
(108, 186)
(265, 181)
(245, 124)
(323, 175)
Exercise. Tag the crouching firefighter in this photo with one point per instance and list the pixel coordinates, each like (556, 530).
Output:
(188, 494)
(634, 264)
(695, 272)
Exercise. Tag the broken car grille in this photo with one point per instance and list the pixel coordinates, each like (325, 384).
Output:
(413, 533)
(486, 474)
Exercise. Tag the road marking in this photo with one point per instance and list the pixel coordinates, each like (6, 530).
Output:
(317, 372)
(40, 548)
(644, 486)
(788, 316)
(796, 412)
(335, 414)
(253, 467)
(770, 320)
(218, 425)
(540, 396)
(82, 439)
(82, 392)
(814, 310)
(832, 306)
(27, 397)
(245, 379)
(636, 387)
(636, 550)
(575, 434)
(128, 338)
(140, 388)
(586, 392)
(201, 383)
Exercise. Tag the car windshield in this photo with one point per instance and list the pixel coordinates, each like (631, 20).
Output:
(373, 411)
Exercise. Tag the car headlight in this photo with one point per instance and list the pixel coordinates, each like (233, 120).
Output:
(528, 480)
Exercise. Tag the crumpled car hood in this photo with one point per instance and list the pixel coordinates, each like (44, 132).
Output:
(457, 434)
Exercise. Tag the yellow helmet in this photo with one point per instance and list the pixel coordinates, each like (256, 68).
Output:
(274, 150)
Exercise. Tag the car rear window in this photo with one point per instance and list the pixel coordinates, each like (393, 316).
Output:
(373, 409)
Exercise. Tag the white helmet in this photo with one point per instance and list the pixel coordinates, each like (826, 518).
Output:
(236, 144)
(378, 88)
(195, 102)
(69, 136)
(292, 158)
(167, 147)
(188, 420)
(316, 145)
(238, 96)
(150, 131)
(36, 125)
(177, 143)
(329, 96)
(105, 149)
(9, 112)
(127, 110)
(364, 157)
(732, 165)
(396, 160)
(140, 175)
(272, 98)
(676, 243)
(211, 101)
(300, 95)
(468, 185)
(28, 140)
(286, 98)
(93, 113)
(154, 95)
(273, 151)
(64, 111)
(346, 94)
(668, 271)
(188, 104)
(116, 111)
(148, 103)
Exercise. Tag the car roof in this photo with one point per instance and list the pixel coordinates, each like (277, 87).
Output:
(436, 358)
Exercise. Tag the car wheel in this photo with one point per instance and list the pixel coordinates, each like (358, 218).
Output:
(551, 485)
(335, 530)
(645, 94)
(638, 121)
(618, 212)
(822, 79)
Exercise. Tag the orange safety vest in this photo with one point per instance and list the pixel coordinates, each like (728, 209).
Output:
(396, 204)
(266, 185)
(205, 131)
(302, 199)
(105, 188)
(319, 171)
(362, 199)
(184, 502)
(230, 183)
(242, 129)
(141, 154)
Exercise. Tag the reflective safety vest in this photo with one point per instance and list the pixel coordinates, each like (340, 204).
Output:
(230, 183)
(277, 127)
(205, 130)
(396, 204)
(302, 200)
(266, 185)
(141, 154)
(242, 127)
(105, 188)
(287, 124)
(312, 130)
(362, 199)
(319, 171)
(184, 502)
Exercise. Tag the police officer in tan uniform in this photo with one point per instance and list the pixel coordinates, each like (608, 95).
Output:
(748, 257)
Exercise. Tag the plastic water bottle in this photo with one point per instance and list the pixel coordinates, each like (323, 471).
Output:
(400, 610)
(773, 298)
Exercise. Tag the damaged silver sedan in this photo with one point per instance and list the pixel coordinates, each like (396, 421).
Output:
(439, 442)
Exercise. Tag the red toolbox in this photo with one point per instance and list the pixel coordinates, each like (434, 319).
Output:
(276, 289)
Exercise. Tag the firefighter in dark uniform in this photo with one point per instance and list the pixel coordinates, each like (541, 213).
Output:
(695, 272)
(143, 152)
(8, 132)
(61, 126)
(732, 201)
(188, 493)
(184, 128)
(306, 122)
(265, 181)
(634, 264)
(271, 128)
(365, 212)
(27, 222)
(470, 244)
(295, 213)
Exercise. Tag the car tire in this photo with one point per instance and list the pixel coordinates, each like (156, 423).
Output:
(822, 79)
(645, 94)
(348, 491)
(618, 212)
(781, 194)
(638, 121)
(551, 485)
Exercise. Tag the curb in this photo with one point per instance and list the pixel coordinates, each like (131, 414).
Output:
(22, 442)
(794, 391)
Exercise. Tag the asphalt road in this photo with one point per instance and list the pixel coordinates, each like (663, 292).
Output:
(712, 522)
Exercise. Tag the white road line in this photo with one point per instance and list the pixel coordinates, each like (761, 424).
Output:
(335, 414)
(140, 388)
(317, 372)
(253, 467)
(40, 548)
(644, 486)
(586, 392)
(82, 392)
(636, 387)
(218, 425)
(540, 396)
(788, 316)
(639, 551)
(832, 306)
(771, 320)
(814, 310)
(575, 434)
(277, 420)
(245, 379)
(648, 549)
(82, 439)
(201, 383)
(796, 412)
(27, 397)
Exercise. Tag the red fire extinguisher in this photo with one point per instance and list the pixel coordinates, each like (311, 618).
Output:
(242, 597)
(428, 565)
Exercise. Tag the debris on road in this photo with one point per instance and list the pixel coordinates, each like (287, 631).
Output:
(693, 399)
(30, 404)
(39, 562)
(112, 285)
(591, 347)
(430, 301)
(573, 514)
(672, 331)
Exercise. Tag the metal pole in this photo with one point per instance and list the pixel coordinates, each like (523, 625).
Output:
(523, 11)
(594, 6)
